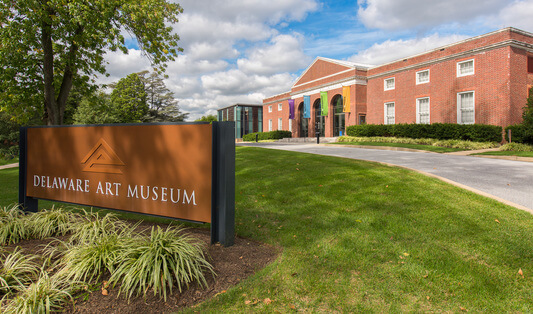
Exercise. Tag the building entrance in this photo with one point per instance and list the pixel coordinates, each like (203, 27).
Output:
(320, 121)
(339, 118)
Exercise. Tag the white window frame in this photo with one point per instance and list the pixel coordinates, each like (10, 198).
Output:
(393, 79)
(459, 107)
(385, 117)
(418, 82)
(269, 125)
(280, 106)
(270, 108)
(418, 100)
(459, 74)
(280, 124)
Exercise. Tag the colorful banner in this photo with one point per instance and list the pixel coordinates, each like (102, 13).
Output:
(323, 103)
(307, 107)
(346, 99)
(291, 109)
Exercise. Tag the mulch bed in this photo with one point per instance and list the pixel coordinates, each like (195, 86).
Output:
(231, 264)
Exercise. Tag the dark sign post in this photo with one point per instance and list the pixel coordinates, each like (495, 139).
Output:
(183, 171)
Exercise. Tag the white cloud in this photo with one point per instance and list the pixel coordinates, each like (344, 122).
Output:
(405, 14)
(518, 15)
(120, 65)
(391, 50)
(285, 54)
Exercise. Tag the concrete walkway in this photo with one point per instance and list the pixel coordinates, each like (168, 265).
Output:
(9, 166)
(508, 181)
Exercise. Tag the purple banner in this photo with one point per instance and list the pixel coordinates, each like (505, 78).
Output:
(291, 108)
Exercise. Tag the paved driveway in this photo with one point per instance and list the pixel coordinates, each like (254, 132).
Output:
(506, 180)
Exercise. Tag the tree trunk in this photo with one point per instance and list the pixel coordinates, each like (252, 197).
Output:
(50, 104)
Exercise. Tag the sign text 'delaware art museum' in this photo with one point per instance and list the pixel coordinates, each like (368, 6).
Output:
(183, 171)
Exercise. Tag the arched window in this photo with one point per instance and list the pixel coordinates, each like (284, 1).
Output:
(304, 123)
(339, 118)
(320, 121)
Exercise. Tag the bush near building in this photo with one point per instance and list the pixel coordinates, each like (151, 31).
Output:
(441, 131)
(272, 135)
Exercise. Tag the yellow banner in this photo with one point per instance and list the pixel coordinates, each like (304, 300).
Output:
(346, 99)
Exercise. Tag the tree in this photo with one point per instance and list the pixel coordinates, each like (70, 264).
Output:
(95, 109)
(527, 118)
(129, 99)
(163, 107)
(209, 118)
(47, 47)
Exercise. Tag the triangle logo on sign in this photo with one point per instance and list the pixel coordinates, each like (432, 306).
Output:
(102, 158)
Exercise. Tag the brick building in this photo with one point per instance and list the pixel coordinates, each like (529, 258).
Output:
(484, 79)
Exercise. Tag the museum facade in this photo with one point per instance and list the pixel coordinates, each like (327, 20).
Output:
(483, 80)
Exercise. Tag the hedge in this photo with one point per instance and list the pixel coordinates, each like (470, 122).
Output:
(272, 135)
(519, 134)
(441, 131)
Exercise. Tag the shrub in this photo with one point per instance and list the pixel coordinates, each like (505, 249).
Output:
(441, 131)
(16, 270)
(9, 137)
(466, 145)
(13, 225)
(518, 147)
(272, 135)
(519, 134)
(47, 295)
(166, 257)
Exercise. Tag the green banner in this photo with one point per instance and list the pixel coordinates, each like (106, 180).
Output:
(323, 103)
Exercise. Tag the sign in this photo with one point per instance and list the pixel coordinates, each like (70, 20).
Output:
(163, 169)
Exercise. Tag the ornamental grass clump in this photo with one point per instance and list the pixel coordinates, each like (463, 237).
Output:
(166, 258)
(13, 225)
(518, 147)
(94, 251)
(46, 295)
(16, 271)
(90, 227)
(52, 222)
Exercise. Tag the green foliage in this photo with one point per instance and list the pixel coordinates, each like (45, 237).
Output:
(16, 271)
(167, 257)
(47, 295)
(9, 137)
(209, 118)
(47, 47)
(13, 225)
(272, 135)
(163, 107)
(95, 109)
(442, 131)
(129, 99)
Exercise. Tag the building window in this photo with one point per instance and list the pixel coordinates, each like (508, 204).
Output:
(389, 113)
(269, 125)
(465, 68)
(280, 107)
(389, 83)
(422, 110)
(280, 126)
(465, 108)
(422, 77)
(269, 108)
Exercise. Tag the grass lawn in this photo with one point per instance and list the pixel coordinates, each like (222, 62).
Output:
(359, 236)
(508, 153)
(430, 148)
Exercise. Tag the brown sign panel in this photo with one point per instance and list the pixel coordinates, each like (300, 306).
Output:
(161, 170)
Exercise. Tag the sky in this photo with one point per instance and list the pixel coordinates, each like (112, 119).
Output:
(242, 51)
